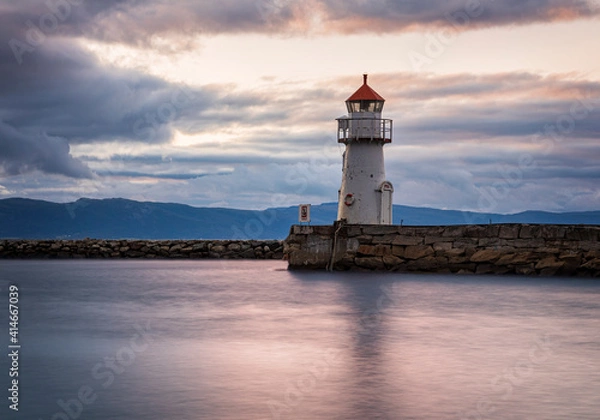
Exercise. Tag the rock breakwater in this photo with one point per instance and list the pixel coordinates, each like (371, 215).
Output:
(183, 249)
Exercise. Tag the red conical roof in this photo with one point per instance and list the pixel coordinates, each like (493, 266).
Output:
(365, 93)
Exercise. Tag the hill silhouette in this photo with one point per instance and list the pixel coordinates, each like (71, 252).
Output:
(119, 218)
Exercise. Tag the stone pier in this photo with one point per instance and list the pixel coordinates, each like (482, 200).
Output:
(566, 250)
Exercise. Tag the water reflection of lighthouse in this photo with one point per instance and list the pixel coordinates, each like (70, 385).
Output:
(365, 196)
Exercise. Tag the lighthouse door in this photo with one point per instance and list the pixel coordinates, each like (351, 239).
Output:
(386, 190)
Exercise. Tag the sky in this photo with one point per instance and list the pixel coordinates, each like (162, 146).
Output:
(232, 103)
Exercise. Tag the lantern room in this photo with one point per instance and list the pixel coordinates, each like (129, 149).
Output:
(364, 122)
(365, 99)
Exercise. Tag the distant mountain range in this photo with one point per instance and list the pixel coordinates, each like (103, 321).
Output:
(126, 219)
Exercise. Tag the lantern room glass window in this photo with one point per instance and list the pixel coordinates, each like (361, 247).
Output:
(364, 106)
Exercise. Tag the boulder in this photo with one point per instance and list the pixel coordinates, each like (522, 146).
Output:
(582, 234)
(458, 259)
(455, 252)
(418, 251)
(486, 255)
(384, 239)
(136, 246)
(392, 262)
(454, 231)
(442, 246)
(592, 254)
(515, 258)
(374, 250)
(248, 253)
(549, 262)
(372, 263)
(428, 264)
(235, 247)
(379, 229)
(398, 251)
(509, 232)
(525, 269)
(134, 254)
(217, 249)
(528, 232)
(592, 265)
(407, 240)
(353, 231)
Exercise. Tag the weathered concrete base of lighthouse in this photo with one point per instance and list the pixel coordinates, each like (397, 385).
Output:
(472, 249)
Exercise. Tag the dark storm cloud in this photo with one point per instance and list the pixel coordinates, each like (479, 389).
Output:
(66, 90)
(167, 176)
(136, 22)
(53, 93)
(61, 95)
(61, 92)
(26, 25)
(21, 153)
(386, 15)
(31, 22)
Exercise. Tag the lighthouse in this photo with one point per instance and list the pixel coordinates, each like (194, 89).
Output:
(365, 196)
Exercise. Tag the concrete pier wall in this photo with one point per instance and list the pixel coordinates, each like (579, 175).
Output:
(479, 249)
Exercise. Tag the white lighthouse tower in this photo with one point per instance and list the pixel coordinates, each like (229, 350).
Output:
(365, 196)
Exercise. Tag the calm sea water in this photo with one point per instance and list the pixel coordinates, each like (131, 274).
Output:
(250, 340)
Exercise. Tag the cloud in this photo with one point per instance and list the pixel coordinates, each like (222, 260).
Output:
(454, 134)
(62, 96)
(66, 91)
(20, 153)
(5, 191)
(133, 20)
(71, 125)
(400, 15)
(479, 107)
(150, 23)
(167, 176)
